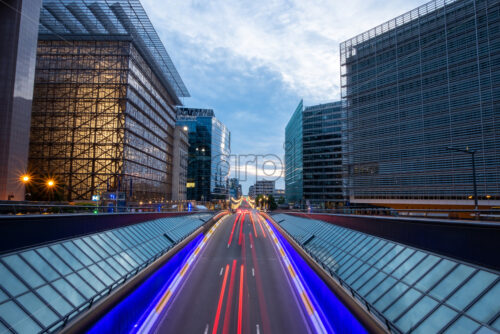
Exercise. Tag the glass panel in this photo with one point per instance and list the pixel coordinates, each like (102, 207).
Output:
(23, 270)
(64, 254)
(486, 307)
(95, 247)
(17, 319)
(10, 283)
(389, 297)
(464, 325)
(496, 324)
(93, 281)
(38, 309)
(3, 296)
(420, 269)
(53, 298)
(69, 292)
(389, 257)
(84, 247)
(470, 290)
(81, 286)
(54, 260)
(98, 272)
(108, 248)
(363, 278)
(116, 266)
(380, 289)
(416, 313)
(402, 304)
(436, 273)
(40, 265)
(451, 282)
(408, 264)
(372, 282)
(110, 271)
(436, 321)
(78, 253)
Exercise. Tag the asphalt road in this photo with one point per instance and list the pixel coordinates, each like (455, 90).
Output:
(238, 284)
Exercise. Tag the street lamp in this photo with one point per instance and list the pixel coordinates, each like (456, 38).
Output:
(50, 183)
(472, 154)
(26, 178)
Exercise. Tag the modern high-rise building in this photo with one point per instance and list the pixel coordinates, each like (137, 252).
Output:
(180, 164)
(322, 154)
(104, 102)
(313, 155)
(293, 157)
(251, 191)
(415, 86)
(209, 153)
(18, 37)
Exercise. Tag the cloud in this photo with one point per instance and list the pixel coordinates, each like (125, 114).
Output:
(252, 61)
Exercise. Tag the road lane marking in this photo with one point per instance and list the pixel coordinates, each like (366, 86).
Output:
(221, 298)
(221, 271)
(227, 315)
(253, 272)
(206, 329)
(257, 329)
(240, 301)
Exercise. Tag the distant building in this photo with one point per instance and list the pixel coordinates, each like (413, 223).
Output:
(293, 157)
(234, 188)
(264, 187)
(279, 193)
(413, 86)
(180, 164)
(251, 191)
(18, 38)
(209, 150)
(104, 101)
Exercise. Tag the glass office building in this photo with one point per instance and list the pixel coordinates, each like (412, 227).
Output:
(322, 154)
(209, 153)
(104, 101)
(18, 36)
(293, 157)
(415, 85)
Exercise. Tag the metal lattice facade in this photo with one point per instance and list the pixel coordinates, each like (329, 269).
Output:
(415, 85)
(101, 121)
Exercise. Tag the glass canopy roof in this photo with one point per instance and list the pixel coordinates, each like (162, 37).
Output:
(42, 287)
(105, 18)
(417, 291)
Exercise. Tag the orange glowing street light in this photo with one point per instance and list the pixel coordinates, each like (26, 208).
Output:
(25, 178)
(51, 183)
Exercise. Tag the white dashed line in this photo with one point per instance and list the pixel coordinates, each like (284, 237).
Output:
(253, 274)
(257, 329)
(206, 329)
(221, 271)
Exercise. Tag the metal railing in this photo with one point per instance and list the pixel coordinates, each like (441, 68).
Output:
(469, 214)
(42, 208)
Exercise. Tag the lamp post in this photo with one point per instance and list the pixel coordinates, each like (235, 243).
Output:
(472, 154)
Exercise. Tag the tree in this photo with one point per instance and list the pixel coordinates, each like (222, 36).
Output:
(272, 203)
(281, 200)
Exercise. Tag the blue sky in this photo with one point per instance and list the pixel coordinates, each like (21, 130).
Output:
(252, 62)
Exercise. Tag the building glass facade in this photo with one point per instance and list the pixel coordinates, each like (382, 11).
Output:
(322, 154)
(18, 36)
(293, 157)
(412, 87)
(103, 112)
(209, 153)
